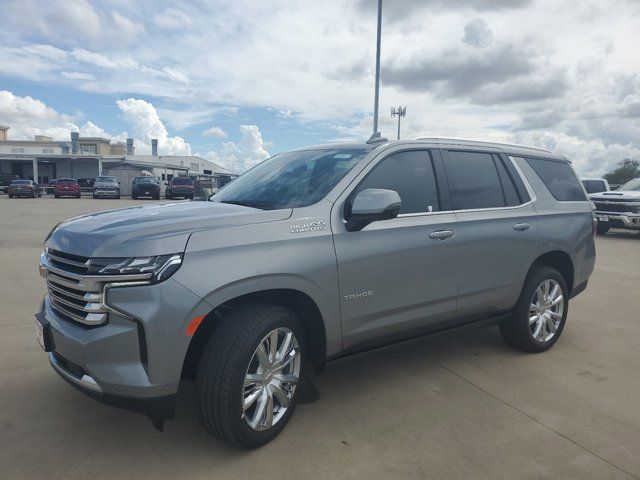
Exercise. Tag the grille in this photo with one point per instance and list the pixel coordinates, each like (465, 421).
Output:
(70, 294)
(76, 295)
(617, 206)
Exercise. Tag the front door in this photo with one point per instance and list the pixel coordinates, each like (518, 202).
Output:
(399, 276)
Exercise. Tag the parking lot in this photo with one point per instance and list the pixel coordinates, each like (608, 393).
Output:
(463, 406)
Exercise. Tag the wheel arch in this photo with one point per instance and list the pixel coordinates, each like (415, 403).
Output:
(294, 299)
(561, 261)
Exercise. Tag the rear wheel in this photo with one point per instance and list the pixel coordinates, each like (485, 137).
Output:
(602, 228)
(10, 196)
(248, 375)
(56, 196)
(540, 313)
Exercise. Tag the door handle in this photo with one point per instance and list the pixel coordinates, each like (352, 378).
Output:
(521, 227)
(441, 234)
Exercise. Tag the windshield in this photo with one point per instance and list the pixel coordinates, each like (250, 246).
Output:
(594, 186)
(143, 180)
(631, 185)
(106, 179)
(292, 179)
(182, 181)
(20, 182)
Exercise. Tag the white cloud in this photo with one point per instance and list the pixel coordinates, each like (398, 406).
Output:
(27, 116)
(215, 132)
(172, 19)
(93, 58)
(240, 156)
(78, 76)
(125, 26)
(146, 124)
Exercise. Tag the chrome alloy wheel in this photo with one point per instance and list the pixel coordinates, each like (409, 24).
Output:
(271, 379)
(546, 310)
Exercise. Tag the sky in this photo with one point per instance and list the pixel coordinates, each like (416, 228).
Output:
(238, 81)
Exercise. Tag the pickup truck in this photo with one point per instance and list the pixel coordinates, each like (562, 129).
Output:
(619, 208)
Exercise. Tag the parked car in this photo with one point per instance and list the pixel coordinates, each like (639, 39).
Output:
(145, 187)
(66, 187)
(179, 187)
(24, 188)
(619, 208)
(311, 255)
(595, 185)
(86, 184)
(105, 186)
(5, 181)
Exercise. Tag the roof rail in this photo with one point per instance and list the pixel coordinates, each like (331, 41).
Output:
(481, 142)
(377, 138)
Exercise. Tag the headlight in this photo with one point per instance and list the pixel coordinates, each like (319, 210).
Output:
(161, 266)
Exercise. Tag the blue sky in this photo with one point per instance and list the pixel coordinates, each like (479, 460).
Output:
(238, 81)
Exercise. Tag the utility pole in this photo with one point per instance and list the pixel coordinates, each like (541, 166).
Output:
(399, 112)
(377, 95)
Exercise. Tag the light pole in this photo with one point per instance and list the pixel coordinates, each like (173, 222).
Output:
(377, 95)
(399, 112)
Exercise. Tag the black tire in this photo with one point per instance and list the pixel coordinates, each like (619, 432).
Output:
(133, 197)
(10, 196)
(156, 197)
(224, 363)
(56, 196)
(168, 196)
(117, 197)
(516, 331)
(602, 228)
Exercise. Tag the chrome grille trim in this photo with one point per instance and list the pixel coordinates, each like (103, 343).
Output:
(80, 297)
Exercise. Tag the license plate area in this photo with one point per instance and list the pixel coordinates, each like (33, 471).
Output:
(43, 333)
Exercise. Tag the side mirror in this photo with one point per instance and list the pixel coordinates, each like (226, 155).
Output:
(372, 205)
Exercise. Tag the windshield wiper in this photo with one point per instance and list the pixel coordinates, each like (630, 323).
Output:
(246, 203)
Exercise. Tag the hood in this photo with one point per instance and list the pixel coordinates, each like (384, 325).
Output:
(151, 230)
(616, 195)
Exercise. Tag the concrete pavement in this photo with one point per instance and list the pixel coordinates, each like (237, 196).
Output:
(464, 406)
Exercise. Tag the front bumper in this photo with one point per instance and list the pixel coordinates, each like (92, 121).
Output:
(106, 193)
(135, 359)
(629, 221)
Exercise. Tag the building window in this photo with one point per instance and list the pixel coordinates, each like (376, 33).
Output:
(90, 149)
(207, 172)
(17, 150)
(47, 150)
(195, 167)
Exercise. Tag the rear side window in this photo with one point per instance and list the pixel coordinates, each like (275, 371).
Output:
(410, 174)
(559, 179)
(474, 181)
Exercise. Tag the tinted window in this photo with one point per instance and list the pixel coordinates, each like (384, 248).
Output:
(106, 179)
(411, 175)
(143, 180)
(559, 179)
(474, 181)
(594, 186)
(182, 181)
(508, 188)
(21, 182)
(291, 179)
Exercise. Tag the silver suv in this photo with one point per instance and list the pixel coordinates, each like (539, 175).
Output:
(311, 255)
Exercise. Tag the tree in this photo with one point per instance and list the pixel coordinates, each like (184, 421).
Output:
(625, 171)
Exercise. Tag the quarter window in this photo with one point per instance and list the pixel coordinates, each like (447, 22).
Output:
(559, 178)
(474, 181)
(410, 174)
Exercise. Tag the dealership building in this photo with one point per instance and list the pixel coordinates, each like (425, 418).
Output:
(44, 159)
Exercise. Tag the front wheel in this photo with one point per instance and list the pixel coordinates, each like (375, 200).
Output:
(248, 376)
(541, 311)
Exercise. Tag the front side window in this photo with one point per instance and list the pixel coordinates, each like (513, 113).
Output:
(559, 179)
(410, 174)
(291, 179)
(474, 181)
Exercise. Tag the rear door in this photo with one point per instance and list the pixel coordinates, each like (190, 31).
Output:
(496, 229)
(398, 276)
